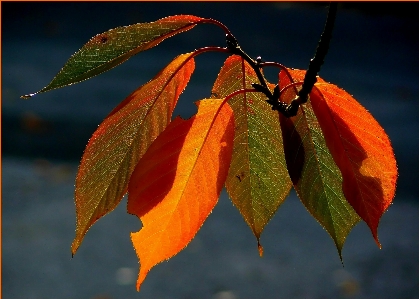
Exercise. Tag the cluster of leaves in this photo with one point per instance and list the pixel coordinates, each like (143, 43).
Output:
(333, 152)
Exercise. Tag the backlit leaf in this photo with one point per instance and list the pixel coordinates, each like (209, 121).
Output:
(177, 182)
(113, 47)
(121, 139)
(360, 148)
(258, 180)
(316, 177)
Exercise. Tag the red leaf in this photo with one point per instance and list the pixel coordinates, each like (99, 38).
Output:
(360, 148)
(315, 176)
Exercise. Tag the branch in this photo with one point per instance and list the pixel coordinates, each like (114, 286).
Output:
(310, 78)
(315, 64)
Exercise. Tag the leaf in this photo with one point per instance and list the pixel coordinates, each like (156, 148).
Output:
(121, 139)
(258, 180)
(178, 181)
(360, 148)
(316, 177)
(113, 47)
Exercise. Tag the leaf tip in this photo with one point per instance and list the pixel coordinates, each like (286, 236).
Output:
(141, 277)
(341, 258)
(74, 246)
(28, 96)
(377, 242)
(260, 248)
(375, 236)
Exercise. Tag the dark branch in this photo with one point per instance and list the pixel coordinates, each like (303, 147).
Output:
(315, 64)
(310, 76)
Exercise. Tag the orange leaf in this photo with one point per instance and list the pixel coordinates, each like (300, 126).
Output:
(360, 148)
(121, 139)
(177, 182)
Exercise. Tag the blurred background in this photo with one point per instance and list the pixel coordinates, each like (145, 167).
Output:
(373, 55)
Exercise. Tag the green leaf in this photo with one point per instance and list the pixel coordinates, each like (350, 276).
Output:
(111, 48)
(316, 177)
(121, 139)
(258, 180)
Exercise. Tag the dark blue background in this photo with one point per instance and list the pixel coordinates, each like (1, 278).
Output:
(373, 55)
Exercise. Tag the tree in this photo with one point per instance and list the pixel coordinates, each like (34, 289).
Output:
(256, 138)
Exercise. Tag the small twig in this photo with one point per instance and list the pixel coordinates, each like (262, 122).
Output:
(273, 98)
(234, 47)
